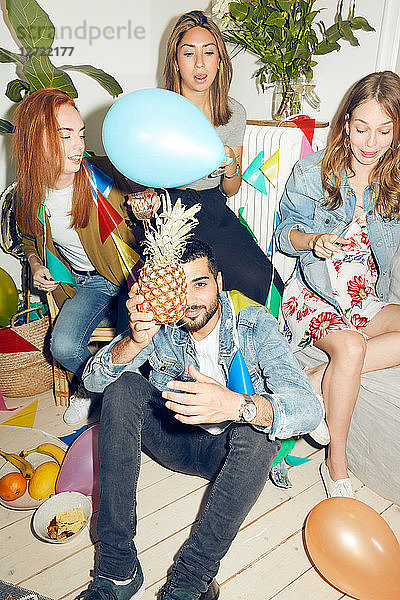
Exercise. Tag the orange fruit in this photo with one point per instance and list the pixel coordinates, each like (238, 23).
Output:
(12, 486)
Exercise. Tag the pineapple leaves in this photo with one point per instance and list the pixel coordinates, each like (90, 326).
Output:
(106, 81)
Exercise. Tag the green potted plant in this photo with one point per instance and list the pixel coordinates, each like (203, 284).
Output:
(35, 32)
(283, 34)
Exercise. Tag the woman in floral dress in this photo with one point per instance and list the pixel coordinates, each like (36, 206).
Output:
(340, 213)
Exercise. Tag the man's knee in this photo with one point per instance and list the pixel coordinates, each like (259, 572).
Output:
(255, 444)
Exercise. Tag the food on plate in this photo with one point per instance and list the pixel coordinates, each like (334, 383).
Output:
(43, 481)
(21, 463)
(49, 449)
(12, 486)
(67, 523)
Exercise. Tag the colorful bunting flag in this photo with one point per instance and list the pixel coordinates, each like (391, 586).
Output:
(12, 342)
(243, 221)
(68, 439)
(306, 124)
(109, 218)
(3, 404)
(25, 417)
(253, 175)
(271, 168)
(58, 270)
(306, 147)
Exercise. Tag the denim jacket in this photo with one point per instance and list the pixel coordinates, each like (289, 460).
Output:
(274, 371)
(302, 208)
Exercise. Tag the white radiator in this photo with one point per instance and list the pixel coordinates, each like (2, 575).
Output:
(260, 209)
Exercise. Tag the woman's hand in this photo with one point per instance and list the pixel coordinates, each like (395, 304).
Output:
(232, 178)
(42, 279)
(148, 198)
(326, 244)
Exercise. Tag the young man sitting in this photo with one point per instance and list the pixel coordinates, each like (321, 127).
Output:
(188, 420)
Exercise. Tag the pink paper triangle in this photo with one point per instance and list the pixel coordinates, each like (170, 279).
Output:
(3, 404)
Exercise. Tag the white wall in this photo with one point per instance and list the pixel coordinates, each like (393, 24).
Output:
(137, 63)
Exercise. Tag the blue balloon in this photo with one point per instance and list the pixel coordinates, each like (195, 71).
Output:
(161, 139)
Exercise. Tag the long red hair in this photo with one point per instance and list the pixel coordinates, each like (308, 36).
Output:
(38, 169)
(384, 87)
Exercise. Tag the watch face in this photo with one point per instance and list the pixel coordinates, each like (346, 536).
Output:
(249, 411)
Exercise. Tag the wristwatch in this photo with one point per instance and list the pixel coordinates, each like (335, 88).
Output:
(248, 410)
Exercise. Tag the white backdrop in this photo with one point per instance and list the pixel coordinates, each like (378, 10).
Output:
(128, 40)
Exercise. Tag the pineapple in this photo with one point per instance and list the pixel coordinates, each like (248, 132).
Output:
(162, 280)
(141, 205)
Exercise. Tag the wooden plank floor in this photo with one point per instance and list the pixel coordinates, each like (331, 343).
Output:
(267, 559)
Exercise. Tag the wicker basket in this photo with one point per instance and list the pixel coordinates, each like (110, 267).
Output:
(28, 373)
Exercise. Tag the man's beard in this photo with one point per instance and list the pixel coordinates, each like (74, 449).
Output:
(202, 319)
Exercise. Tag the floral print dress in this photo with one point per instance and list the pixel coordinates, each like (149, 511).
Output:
(306, 317)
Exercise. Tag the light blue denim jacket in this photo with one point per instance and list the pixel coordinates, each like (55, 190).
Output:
(302, 208)
(274, 371)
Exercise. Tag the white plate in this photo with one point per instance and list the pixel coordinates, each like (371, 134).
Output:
(55, 505)
(23, 440)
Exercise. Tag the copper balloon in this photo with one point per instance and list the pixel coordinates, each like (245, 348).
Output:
(354, 548)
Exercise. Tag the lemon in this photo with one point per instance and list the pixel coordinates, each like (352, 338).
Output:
(43, 482)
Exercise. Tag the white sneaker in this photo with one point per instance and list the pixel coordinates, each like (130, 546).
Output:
(321, 433)
(79, 406)
(341, 488)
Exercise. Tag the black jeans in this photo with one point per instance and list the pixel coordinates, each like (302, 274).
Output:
(237, 461)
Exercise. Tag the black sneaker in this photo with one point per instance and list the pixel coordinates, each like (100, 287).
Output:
(101, 588)
(183, 594)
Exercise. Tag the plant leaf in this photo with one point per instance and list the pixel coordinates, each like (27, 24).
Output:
(15, 89)
(326, 47)
(6, 56)
(238, 11)
(6, 126)
(348, 35)
(285, 5)
(361, 23)
(106, 81)
(41, 73)
(31, 23)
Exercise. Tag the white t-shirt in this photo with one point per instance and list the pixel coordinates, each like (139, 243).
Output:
(207, 352)
(58, 206)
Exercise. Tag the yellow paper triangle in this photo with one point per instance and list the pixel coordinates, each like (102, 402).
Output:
(271, 168)
(25, 417)
(127, 256)
(240, 301)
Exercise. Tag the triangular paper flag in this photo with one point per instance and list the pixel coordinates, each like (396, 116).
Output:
(271, 168)
(3, 404)
(58, 270)
(99, 181)
(253, 175)
(306, 147)
(295, 461)
(109, 218)
(239, 379)
(12, 342)
(306, 124)
(287, 446)
(25, 417)
(130, 260)
(240, 301)
(243, 221)
(68, 439)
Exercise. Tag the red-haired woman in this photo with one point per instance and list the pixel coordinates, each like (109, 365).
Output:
(340, 218)
(198, 67)
(56, 210)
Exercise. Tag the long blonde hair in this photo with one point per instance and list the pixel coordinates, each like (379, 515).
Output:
(220, 111)
(384, 87)
(37, 169)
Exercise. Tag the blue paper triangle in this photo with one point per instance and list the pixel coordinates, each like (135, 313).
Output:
(102, 182)
(254, 176)
(58, 270)
(239, 379)
(68, 439)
